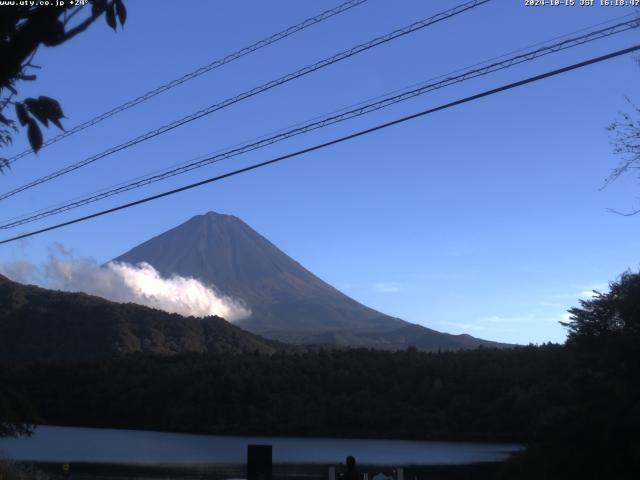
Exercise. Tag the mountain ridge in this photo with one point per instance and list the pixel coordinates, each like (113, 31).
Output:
(38, 324)
(245, 265)
(288, 302)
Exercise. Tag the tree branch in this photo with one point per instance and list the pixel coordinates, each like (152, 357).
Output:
(628, 214)
(81, 27)
(72, 14)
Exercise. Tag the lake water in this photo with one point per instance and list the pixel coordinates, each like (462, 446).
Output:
(96, 445)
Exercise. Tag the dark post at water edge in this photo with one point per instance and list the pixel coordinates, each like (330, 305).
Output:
(259, 462)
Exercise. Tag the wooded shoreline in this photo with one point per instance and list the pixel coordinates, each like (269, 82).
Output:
(285, 471)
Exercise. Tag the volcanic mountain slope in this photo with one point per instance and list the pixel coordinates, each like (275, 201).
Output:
(288, 302)
(37, 324)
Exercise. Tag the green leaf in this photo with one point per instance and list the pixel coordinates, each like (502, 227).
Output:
(35, 135)
(21, 113)
(111, 16)
(121, 10)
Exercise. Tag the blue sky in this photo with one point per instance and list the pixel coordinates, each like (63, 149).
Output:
(486, 218)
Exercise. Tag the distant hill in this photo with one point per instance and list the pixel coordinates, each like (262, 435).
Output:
(411, 335)
(37, 324)
(288, 302)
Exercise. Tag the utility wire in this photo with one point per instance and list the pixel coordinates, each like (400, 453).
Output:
(343, 109)
(360, 133)
(255, 91)
(196, 73)
(362, 102)
(330, 120)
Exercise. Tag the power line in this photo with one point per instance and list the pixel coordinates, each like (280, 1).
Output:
(255, 91)
(200, 71)
(329, 120)
(333, 142)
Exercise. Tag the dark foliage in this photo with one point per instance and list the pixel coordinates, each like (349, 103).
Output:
(486, 394)
(594, 433)
(23, 29)
(612, 316)
(17, 414)
(576, 406)
(625, 140)
(47, 325)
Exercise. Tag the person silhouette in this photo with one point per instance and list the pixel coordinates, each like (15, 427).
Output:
(352, 472)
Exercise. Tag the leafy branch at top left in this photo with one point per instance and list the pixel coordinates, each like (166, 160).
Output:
(23, 29)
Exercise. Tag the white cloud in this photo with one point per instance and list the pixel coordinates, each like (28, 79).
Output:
(581, 292)
(587, 294)
(544, 303)
(387, 287)
(121, 282)
(463, 326)
(345, 286)
(19, 271)
(528, 318)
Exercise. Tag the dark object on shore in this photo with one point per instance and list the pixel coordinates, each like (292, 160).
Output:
(352, 472)
(259, 462)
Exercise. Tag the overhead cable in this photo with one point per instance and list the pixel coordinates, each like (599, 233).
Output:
(331, 142)
(414, 27)
(329, 120)
(196, 73)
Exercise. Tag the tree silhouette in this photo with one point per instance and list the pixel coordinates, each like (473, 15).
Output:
(23, 29)
(591, 430)
(15, 411)
(612, 314)
(625, 139)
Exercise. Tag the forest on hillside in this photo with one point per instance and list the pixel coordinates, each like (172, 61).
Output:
(487, 394)
(50, 325)
(576, 406)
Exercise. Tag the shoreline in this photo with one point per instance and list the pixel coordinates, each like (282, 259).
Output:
(111, 471)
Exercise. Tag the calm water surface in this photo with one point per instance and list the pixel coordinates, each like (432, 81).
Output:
(96, 445)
